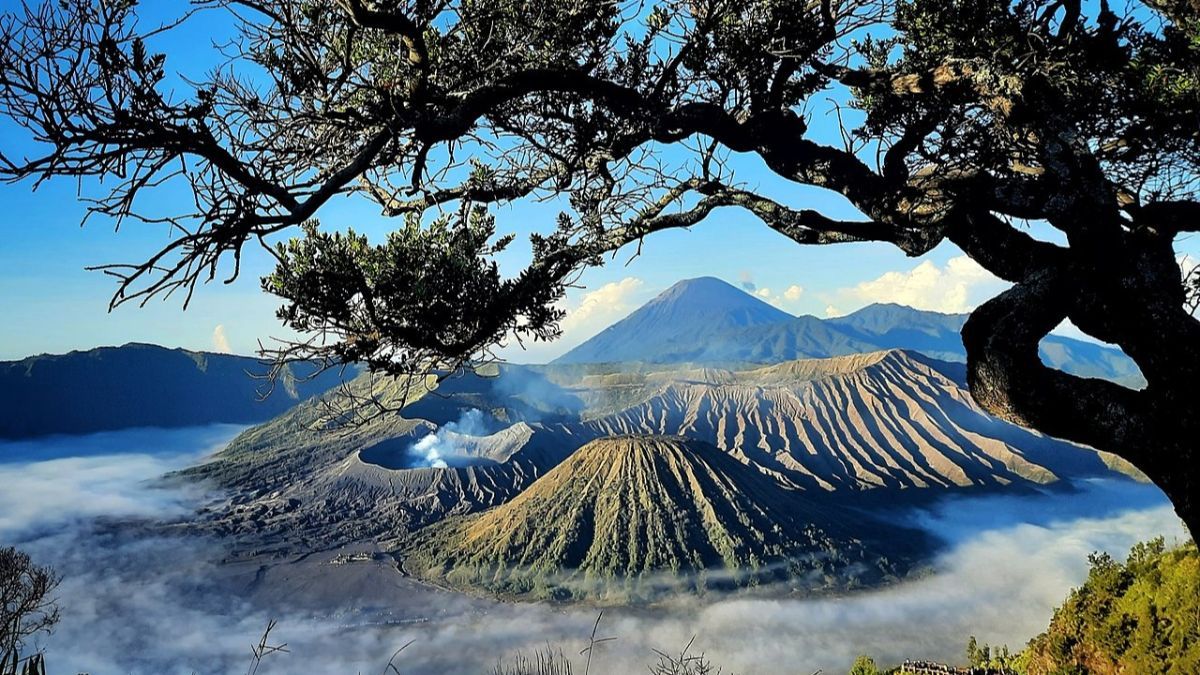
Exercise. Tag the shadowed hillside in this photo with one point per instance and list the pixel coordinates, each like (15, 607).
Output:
(140, 385)
(633, 516)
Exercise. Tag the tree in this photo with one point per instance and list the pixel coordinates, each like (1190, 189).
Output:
(1140, 616)
(961, 121)
(974, 658)
(26, 605)
(864, 665)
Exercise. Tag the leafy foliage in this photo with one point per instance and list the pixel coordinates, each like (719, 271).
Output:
(1140, 616)
(998, 659)
(864, 665)
(428, 296)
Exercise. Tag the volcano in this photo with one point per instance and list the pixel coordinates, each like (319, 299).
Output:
(669, 327)
(630, 518)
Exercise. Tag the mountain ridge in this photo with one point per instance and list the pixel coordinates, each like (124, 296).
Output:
(705, 334)
(681, 314)
(142, 385)
(892, 419)
(889, 423)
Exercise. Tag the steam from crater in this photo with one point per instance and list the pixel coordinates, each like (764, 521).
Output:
(434, 449)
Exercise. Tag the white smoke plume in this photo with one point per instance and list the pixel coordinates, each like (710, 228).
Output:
(220, 341)
(437, 447)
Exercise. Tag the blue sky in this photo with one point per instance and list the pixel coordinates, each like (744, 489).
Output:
(51, 304)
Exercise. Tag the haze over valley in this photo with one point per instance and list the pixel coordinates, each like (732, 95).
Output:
(1007, 562)
(681, 337)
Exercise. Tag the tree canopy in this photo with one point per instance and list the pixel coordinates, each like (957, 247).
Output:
(1140, 616)
(963, 120)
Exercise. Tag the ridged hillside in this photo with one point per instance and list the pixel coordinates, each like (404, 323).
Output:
(299, 482)
(631, 517)
(881, 422)
(888, 419)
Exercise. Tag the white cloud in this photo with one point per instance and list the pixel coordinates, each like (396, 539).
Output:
(787, 300)
(54, 481)
(1009, 560)
(587, 315)
(220, 342)
(831, 312)
(958, 286)
(599, 308)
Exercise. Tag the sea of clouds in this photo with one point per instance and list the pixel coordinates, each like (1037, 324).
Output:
(136, 600)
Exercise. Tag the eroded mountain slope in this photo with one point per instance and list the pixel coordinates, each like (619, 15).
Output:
(632, 517)
(883, 421)
(888, 419)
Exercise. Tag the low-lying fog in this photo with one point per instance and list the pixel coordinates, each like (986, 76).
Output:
(141, 603)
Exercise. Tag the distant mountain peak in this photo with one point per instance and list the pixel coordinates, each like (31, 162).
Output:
(683, 314)
(699, 285)
(707, 321)
(715, 295)
(897, 309)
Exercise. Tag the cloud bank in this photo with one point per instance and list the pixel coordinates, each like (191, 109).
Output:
(597, 309)
(586, 315)
(958, 286)
(62, 482)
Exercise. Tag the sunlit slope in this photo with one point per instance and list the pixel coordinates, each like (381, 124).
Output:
(633, 516)
(888, 419)
(1137, 616)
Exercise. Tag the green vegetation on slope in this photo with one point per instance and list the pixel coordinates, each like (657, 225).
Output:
(1140, 616)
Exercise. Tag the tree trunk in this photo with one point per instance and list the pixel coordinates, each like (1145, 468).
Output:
(1155, 429)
